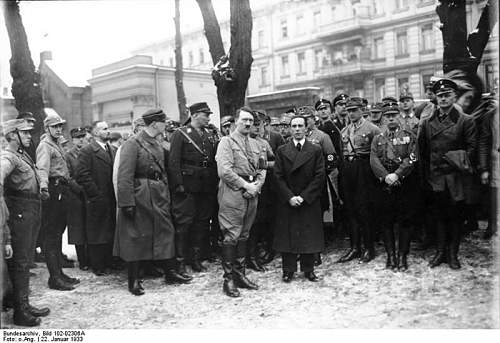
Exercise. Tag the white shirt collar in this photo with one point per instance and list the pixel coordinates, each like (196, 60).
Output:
(302, 141)
(103, 145)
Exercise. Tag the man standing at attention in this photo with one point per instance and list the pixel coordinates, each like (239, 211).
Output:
(300, 179)
(240, 182)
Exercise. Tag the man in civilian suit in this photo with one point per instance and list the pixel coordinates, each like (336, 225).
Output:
(94, 173)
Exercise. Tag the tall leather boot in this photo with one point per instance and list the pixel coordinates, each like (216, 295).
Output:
(440, 256)
(240, 278)
(56, 280)
(181, 251)
(355, 240)
(405, 233)
(134, 282)
(196, 264)
(172, 275)
(390, 248)
(82, 256)
(228, 257)
(252, 261)
(22, 316)
(454, 245)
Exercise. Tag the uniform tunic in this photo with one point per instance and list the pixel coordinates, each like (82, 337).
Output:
(142, 182)
(409, 122)
(237, 163)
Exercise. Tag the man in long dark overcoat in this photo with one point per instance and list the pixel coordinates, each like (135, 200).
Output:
(94, 173)
(446, 137)
(76, 200)
(145, 229)
(300, 178)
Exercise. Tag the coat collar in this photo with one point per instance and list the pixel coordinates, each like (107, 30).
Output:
(437, 126)
(298, 158)
(101, 153)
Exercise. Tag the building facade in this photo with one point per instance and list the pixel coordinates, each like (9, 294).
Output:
(370, 48)
(124, 90)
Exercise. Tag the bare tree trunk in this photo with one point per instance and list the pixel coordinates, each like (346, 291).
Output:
(231, 73)
(179, 85)
(460, 50)
(26, 81)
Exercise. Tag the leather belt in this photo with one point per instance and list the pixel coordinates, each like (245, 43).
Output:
(202, 164)
(58, 180)
(22, 194)
(351, 158)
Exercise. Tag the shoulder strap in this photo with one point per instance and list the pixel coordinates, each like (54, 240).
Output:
(155, 160)
(244, 153)
(192, 142)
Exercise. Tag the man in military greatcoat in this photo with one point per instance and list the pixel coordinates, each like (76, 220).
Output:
(447, 141)
(145, 229)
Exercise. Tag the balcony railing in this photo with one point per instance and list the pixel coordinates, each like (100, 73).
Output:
(346, 68)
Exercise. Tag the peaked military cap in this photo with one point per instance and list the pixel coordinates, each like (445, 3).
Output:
(322, 103)
(389, 101)
(354, 102)
(390, 109)
(226, 120)
(153, 115)
(305, 111)
(199, 107)
(377, 107)
(115, 135)
(444, 86)
(340, 98)
(275, 121)
(27, 116)
(78, 132)
(405, 95)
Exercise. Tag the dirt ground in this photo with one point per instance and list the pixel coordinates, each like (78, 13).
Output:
(348, 296)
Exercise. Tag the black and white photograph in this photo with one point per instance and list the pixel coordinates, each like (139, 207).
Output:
(199, 165)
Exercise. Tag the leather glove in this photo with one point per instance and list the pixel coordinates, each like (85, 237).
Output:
(180, 189)
(44, 194)
(129, 212)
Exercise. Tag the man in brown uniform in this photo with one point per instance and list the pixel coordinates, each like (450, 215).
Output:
(358, 182)
(240, 182)
(19, 182)
(54, 176)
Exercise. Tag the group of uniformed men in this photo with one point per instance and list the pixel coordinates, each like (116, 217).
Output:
(173, 196)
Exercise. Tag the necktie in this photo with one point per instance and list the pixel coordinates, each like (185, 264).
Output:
(299, 146)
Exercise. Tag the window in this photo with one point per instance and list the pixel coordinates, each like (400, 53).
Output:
(379, 89)
(202, 56)
(316, 20)
(403, 85)
(260, 39)
(401, 44)
(426, 38)
(401, 4)
(379, 48)
(171, 61)
(191, 58)
(284, 28)
(334, 12)
(301, 28)
(285, 68)
(425, 81)
(263, 77)
(318, 59)
(378, 7)
(5, 91)
(301, 62)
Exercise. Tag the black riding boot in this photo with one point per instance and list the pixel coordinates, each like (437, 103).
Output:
(240, 278)
(134, 282)
(355, 240)
(228, 257)
(252, 261)
(196, 264)
(82, 256)
(181, 251)
(22, 315)
(390, 248)
(440, 256)
(56, 280)
(454, 245)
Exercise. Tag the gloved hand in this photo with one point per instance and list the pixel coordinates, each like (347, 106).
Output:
(129, 212)
(44, 194)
